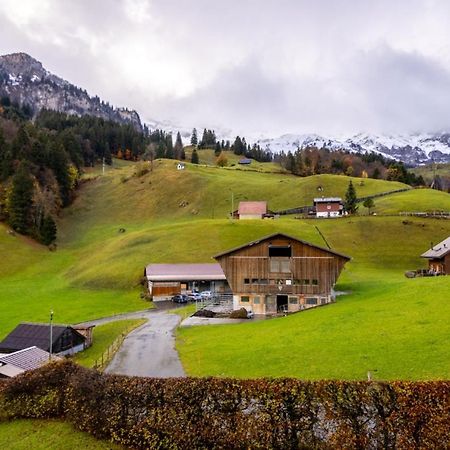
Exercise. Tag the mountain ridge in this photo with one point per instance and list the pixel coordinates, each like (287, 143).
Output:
(25, 80)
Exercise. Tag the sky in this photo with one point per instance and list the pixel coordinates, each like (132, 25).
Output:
(257, 68)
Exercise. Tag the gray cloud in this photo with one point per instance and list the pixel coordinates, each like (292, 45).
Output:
(325, 66)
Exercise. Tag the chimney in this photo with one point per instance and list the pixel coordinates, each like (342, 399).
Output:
(432, 246)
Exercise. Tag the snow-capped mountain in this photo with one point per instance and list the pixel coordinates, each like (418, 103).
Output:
(23, 79)
(412, 149)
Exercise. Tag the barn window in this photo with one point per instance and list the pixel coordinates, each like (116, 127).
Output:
(311, 301)
(315, 282)
(280, 251)
(246, 280)
(245, 299)
(293, 300)
(306, 282)
(281, 265)
(254, 280)
(256, 300)
(264, 281)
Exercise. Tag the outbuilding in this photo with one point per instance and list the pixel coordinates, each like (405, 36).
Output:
(438, 258)
(166, 280)
(65, 339)
(251, 210)
(280, 273)
(328, 206)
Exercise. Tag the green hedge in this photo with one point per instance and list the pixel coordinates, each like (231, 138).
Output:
(226, 413)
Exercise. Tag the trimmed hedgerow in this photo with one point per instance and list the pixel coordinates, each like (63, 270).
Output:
(227, 413)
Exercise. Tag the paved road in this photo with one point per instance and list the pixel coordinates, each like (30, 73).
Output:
(148, 351)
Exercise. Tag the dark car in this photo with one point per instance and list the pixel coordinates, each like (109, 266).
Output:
(180, 298)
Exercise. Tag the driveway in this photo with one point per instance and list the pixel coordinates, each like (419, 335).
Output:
(148, 351)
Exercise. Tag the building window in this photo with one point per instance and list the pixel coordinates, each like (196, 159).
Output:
(311, 300)
(246, 280)
(256, 300)
(305, 282)
(255, 280)
(315, 282)
(293, 300)
(245, 299)
(280, 265)
(288, 282)
(280, 251)
(264, 281)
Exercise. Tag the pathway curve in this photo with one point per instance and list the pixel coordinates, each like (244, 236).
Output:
(149, 350)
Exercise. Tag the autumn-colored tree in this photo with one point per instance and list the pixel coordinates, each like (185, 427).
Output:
(119, 154)
(222, 160)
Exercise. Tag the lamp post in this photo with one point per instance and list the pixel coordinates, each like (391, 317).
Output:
(51, 335)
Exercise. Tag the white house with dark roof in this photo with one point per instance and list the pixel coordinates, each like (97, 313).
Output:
(165, 280)
(439, 258)
(328, 206)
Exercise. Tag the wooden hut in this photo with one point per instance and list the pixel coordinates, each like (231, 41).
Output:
(438, 258)
(281, 273)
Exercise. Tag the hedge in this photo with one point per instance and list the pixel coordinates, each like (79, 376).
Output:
(210, 413)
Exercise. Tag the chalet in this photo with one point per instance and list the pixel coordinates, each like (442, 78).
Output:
(328, 206)
(439, 258)
(251, 210)
(31, 358)
(165, 280)
(281, 273)
(65, 339)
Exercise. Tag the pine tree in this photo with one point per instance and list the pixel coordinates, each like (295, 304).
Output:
(194, 138)
(351, 199)
(217, 150)
(178, 148)
(194, 157)
(48, 230)
(20, 200)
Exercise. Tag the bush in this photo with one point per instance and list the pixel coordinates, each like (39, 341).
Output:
(229, 413)
(239, 314)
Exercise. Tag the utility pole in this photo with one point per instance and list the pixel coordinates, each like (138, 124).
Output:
(51, 335)
(232, 205)
(103, 166)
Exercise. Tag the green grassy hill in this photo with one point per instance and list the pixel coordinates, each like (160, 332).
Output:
(181, 216)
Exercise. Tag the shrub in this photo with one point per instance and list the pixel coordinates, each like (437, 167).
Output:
(186, 413)
(239, 314)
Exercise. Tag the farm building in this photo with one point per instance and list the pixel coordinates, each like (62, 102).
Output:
(65, 339)
(439, 258)
(31, 358)
(251, 210)
(281, 273)
(165, 280)
(328, 206)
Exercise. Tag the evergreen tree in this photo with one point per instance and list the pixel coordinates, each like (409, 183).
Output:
(194, 138)
(169, 147)
(48, 230)
(217, 150)
(178, 149)
(351, 199)
(20, 200)
(194, 157)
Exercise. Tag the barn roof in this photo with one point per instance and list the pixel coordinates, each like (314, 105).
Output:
(438, 250)
(245, 161)
(184, 272)
(327, 199)
(32, 334)
(271, 236)
(26, 359)
(252, 208)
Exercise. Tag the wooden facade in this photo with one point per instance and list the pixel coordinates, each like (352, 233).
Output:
(281, 273)
(439, 258)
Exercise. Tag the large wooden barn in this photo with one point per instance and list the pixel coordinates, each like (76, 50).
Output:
(281, 273)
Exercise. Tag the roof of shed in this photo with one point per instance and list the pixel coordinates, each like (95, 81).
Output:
(32, 334)
(27, 359)
(184, 272)
(438, 250)
(252, 208)
(271, 236)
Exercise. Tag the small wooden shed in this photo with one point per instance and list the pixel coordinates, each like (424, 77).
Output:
(439, 258)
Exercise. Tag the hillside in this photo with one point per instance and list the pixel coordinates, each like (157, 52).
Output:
(96, 269)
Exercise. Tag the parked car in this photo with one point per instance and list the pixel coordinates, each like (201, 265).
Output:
(206, 294)
(180, 298)
(195, 296)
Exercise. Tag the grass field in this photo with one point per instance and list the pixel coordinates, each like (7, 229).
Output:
(96, 270)
(47, 434)
(428, 171)
(104, 336)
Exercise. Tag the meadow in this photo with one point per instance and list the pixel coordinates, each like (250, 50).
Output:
(133, 216)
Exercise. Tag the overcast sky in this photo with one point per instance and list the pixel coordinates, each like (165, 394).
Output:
(252, 66)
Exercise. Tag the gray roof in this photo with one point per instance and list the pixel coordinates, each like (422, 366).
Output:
(26, 359)
(327, 199)
(438, 250)
(271, 236)
(184, 272)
